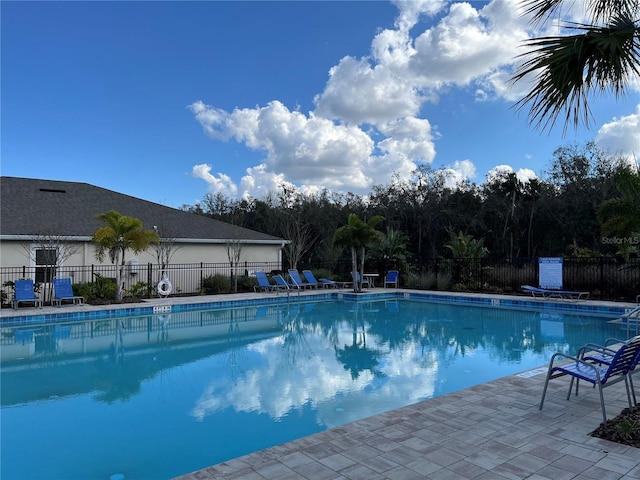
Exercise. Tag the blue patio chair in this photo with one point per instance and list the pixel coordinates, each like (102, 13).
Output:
(264, 285)
(356, 280)
(297, 279)
(601, 376)
(25, 293)
(63, 292)
(392, 278)
(604, 354)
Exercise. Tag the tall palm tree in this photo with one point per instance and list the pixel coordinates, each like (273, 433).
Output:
(119, 234)
(357, 235)
(602, 56)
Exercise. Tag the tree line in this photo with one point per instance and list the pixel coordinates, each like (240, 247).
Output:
(587, 203)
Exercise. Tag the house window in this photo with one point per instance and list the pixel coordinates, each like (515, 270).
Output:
(46, 261)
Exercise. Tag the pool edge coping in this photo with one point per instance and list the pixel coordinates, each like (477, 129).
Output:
(182, 304)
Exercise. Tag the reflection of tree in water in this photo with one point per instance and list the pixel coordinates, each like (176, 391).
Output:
(389, 327)
(357, 357)
(295, 324)
(446, 332)
(461, 331)
(118, 377)
(235, 361)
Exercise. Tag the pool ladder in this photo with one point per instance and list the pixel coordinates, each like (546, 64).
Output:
(629, 318)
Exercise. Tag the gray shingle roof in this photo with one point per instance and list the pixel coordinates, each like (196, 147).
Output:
(31, 207)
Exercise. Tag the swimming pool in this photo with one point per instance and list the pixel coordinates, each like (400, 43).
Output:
(159, 395)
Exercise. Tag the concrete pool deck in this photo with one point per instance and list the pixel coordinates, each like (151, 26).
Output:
(491, 431)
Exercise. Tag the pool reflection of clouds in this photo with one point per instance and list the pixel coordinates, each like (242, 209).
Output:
(284, 383)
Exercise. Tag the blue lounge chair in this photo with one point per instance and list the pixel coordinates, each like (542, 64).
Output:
(264, 285)
(63, 292)
(618, 370)
(549, 293)
(61, 332)
(283, 284)
(25, 293)
(297, 279)
(23, 335)
(310, 278)
(392, 278)
(327, 283)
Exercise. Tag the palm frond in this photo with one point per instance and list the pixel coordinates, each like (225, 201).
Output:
(599, 11)
(540, 10)
(568, 68)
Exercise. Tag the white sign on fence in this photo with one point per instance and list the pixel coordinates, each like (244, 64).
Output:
(550, 272)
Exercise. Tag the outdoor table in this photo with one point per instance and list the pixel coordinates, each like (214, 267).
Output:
(371, 277)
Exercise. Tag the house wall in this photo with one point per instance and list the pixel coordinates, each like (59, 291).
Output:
(13, 254)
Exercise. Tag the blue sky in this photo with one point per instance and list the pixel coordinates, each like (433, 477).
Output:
(169, 101)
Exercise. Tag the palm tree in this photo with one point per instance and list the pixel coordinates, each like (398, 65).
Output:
(357, 235)
(602, 56)
(466, 247)
(119, 234)
(392, 249)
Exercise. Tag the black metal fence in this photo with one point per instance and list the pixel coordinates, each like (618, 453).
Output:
(186, 279)
(604, 278)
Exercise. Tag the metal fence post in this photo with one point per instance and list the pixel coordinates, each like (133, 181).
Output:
(149, 278)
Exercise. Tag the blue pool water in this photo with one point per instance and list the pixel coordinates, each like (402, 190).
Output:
(156, 396)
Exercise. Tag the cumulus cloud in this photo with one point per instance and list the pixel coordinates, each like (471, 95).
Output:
(311, 150)
(468, 44)
(368, 122)
(220, 183)
(622, 135)
(524, 175)
(455, 175)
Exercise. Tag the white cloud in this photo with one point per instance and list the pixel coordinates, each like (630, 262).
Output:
(222, 183)
(622, 135)
(454, 176)
(524, 175)
(358, 92)
(468, 44)
(311, 150)
(368, 122)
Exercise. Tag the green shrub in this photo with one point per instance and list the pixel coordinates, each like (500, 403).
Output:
(422, 281)
(444, 281)
(103, 288)
(215, 284)
(246, 283)
(138, 290)
(323, 273)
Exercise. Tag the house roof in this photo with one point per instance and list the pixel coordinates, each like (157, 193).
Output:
(35, 207)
